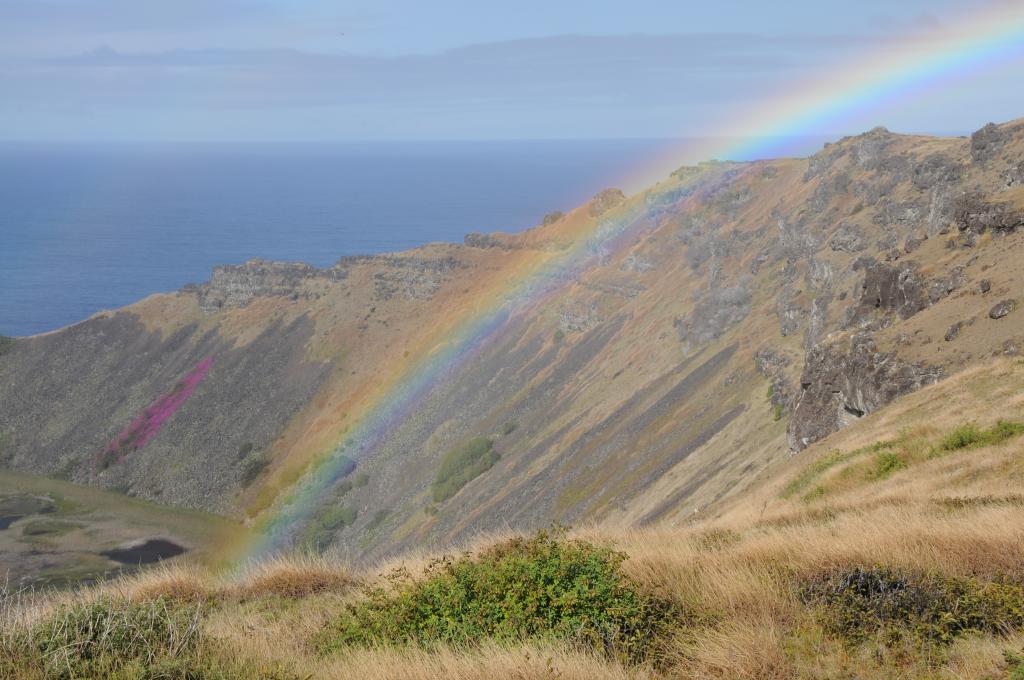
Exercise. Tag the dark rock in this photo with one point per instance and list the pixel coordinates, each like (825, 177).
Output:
(1001, 309)
(888, 290)
(937, 169)
(974, 214)
(941, 287)
(985, 286)
(954, 331)
(987, 142)
(841, 384)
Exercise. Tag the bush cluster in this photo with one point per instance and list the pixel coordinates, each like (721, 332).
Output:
(461, 465)
(525, 588)
(970, 436)
(927, 608)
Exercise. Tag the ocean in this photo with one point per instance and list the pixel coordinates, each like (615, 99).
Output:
(86, 228)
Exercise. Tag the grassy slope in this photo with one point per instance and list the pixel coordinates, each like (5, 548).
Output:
(954, 513)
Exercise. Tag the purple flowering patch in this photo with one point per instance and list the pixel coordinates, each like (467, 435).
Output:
(146, 426)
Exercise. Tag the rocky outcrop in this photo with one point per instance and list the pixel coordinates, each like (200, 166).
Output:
(989, 142)
(605, 201)
(848, 239)
(842, 383)
(772, 364)
(478, 240)
(974, 214)
(236, 285)
(411, 278)
(887, 291)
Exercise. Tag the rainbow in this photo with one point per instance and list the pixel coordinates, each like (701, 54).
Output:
(987, 37)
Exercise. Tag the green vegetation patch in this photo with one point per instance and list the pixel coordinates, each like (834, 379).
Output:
(6, 344)
(894, 606)
(970, 436)
(885, 464)
(48, 527)
(320, 532)
(525, 588)
(812, 472)
(461, 465)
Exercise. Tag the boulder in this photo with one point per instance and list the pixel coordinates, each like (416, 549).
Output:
(1001, 309)
(843, 382)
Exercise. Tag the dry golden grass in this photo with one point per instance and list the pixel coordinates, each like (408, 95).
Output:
(737, 571)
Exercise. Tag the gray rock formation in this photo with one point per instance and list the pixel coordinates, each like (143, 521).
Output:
(1002, 308)
(236, 285)
(887, 290)
(847, 239)
(843, 382)
(974, 214)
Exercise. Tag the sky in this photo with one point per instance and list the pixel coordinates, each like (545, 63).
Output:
(305, 70)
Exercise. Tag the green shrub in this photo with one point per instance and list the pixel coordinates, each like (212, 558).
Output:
(6, 344)
(361, 480)
(534, 588)
(886, 463)
(509, 427)
(559, 335)
(970, 436)
(777, 412)
(461, 465)
(927, 608)
(245, 449)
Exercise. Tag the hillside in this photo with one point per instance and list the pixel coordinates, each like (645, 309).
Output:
(894, 549)
(683, 341)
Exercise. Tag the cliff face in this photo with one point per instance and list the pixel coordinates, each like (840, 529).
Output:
(714, 323)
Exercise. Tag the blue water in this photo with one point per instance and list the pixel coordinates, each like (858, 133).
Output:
(89, 228)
